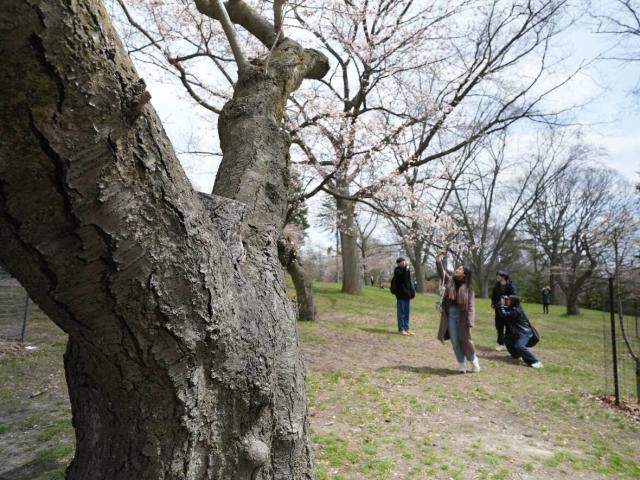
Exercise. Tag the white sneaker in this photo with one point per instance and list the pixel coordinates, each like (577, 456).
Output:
(475, 366)
(537, 365)
(499, 348)
(462, 368)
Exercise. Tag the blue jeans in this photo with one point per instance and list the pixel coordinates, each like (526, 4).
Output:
(517, 346)
(402, 309)
(454, 334)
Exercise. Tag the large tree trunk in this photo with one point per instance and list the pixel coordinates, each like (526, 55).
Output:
(571, 289)
(573, 286)
(418, 266)
(351, 274)
(363, 263)
(304, 291)
(483, 285)
(481, 277)
(415, 253)
(182, 361)
(572, 303)
(557, 294)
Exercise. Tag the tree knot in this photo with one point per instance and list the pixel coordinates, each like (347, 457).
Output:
(254, 454)
(136, 97)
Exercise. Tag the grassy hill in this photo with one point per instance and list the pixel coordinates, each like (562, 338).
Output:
(383, 406)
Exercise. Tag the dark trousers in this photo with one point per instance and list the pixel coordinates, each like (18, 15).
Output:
(517, 346)
(545, 308)
(501, 328)
(402, 310)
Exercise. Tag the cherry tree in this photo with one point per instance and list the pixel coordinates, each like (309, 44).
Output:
(189, 51)
(415, 206)
(459, 70)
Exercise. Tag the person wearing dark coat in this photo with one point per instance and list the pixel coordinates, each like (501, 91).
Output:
(503, 287)
(546, 299)
(519, 332)
(402, 288)
(458, 314)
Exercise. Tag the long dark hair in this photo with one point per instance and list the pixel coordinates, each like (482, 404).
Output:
(514, 301)
(458, 291)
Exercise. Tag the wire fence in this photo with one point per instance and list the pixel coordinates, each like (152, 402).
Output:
(621, 346)
(15, 309)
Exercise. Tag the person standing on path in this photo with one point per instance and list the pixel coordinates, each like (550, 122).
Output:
(458, 314)
(402, 288)
(519, 332)
(546, 299)
(503, 287)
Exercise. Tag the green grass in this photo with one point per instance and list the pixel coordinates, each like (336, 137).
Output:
(395, 410)
(36, 438)
(384, 406)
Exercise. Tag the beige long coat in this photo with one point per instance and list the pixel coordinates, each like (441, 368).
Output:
(466, 320)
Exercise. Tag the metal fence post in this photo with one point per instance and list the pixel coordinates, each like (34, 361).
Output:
(25, 318)
(613, 343)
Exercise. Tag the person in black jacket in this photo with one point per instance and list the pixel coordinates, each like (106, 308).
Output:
(503, 287)
(546, 299)
(519, 330)
(402, 288)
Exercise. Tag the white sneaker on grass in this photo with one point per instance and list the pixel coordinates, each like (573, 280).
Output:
(475, 366)
(499, 348)
(461, 368)
(536, 365)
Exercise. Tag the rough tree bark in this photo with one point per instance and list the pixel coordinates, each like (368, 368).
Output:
(572, 304)
(416, 256)
(574, 281)
(572, 287)
(303, 286)
(351, 270)
(182, 360)
(304, 293)
(483, 285)
(302, 282)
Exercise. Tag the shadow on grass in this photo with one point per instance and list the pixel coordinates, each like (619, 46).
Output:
(32, 469)
(482, 348)
(438, 372)
(380, 331)
(503, 357)
(490, 353)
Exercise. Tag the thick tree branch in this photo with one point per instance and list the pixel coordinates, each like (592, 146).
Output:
(216, 10)
(240, 13)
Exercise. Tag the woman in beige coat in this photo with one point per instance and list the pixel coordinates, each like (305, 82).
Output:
(458, 314)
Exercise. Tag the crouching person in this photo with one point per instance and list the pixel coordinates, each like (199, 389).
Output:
(519, 330)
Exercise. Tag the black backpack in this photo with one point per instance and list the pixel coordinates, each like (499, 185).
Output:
(393, 287)
(535, 338)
